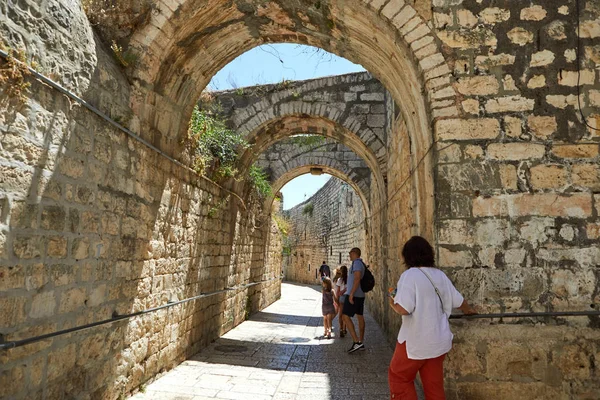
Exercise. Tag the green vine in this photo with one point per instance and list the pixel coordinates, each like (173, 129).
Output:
(215, 149)
(283, 224)
(259, 180)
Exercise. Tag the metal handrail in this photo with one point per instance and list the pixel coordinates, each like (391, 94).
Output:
(527, 314)
(116, 317)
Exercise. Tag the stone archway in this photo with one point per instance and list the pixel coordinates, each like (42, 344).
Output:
(284, 157)
(275, 130)
(305, 169)
(186, 44)
(350, 108)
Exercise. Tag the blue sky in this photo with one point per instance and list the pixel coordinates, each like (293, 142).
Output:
(272, 64)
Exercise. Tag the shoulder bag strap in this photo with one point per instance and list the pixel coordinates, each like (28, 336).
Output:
(435, 287)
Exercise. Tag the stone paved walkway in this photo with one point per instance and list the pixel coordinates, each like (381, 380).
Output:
(279, 355)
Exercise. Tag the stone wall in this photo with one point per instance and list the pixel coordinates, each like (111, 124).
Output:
(336, 224)
(95, 224)
(516, 185)
(508, 193)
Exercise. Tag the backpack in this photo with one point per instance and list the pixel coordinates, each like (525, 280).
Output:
(367, 283)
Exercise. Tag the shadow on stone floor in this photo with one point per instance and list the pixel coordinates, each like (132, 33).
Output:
(278, 355)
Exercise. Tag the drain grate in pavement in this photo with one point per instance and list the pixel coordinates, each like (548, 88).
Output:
(231, 348)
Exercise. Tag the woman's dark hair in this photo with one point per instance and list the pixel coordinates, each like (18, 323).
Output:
(344, 271)
(417, 252)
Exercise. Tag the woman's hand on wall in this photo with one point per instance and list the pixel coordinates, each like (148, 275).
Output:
(467, 309)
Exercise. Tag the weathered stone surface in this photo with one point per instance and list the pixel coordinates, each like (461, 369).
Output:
(509, 103)
(548, 176)
(575, 150)
(478, 85)
(494, 15)
(571, 78)
(513, 127)
(467, 129)
(536, 82)
(542, 127)
(520, 36)
(586, 175)
(547, 204)
(541, 58)
(533, 13)
(471, 106)
(515, 151)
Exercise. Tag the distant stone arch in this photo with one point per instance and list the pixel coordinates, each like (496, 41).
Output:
(305, 169)
(354, 105)
(286, 156)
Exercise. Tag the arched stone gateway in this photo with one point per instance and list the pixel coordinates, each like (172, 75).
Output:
(353, 108)
(188, 42)
(273, 131)
(286, 160)
(333, 171)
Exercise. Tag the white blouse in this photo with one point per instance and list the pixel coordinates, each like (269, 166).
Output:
(340, 283)
(426, 330)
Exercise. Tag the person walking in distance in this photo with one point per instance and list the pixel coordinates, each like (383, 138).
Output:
(425, 298)
(324, 271)
(355, 301)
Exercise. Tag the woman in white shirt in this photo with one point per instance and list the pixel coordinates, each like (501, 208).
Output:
(425, 298)
(340, 285)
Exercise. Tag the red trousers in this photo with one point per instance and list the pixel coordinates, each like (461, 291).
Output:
(403, 371)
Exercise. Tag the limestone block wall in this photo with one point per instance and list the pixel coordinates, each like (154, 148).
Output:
(336, 225)
(517, 178)
(95, 224)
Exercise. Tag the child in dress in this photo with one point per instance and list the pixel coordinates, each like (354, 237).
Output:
(327, 306)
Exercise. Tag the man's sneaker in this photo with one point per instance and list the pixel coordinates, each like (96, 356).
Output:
(362, 346)
(355, 346)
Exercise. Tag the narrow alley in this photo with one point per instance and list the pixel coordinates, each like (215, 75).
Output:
(278, 354)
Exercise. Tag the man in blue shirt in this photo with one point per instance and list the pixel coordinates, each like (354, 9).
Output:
(355, 300)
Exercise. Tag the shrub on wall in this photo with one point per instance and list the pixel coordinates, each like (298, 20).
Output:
(308, 209)
(259, 181)
(215, 150)
(214, 147)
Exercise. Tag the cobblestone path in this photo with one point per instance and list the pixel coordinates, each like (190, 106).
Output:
(279, 355)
